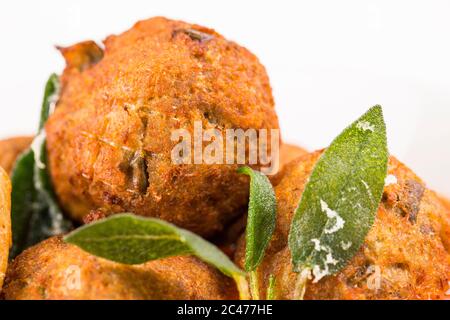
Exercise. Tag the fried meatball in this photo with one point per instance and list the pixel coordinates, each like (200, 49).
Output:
(405, 255)
(10, 149)
(109, 140)
(54, 270)
(5, 222)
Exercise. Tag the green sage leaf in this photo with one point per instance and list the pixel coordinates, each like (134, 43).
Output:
(35, 212)
(261, 217)
(130, 239)
(340, 201)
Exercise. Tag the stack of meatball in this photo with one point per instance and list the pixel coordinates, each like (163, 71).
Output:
(109, 149)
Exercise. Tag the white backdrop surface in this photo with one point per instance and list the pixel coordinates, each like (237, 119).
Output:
(328, 61)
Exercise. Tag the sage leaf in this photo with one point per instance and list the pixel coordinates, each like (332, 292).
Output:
(261, 217)
(23, 197)
(130, 239)
(35, 212)
(51, 94)
(340, 201)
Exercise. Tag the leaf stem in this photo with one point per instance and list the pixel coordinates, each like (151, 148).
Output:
(254, 285)
(271, 288)
(242, 286)
(300, 285)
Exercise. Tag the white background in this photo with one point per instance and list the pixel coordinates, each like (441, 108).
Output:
(329, 61)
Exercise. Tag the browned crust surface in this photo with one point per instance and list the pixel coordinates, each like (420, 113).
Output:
(408, 246)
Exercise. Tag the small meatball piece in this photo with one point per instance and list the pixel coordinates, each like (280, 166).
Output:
(54, 270)
(289, 152)
(5, 222)
(10, 149)
(82, 55)
(110, 140)
(405, 254)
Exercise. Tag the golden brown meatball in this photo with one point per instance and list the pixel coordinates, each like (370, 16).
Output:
(54, 270)
(10, 149)
(109, 141)
(405, 255)
(5, 222)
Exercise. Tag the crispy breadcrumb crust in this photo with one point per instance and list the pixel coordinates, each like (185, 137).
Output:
(408, 246)
(109, 141)
(54, 270)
